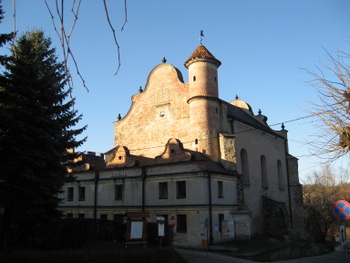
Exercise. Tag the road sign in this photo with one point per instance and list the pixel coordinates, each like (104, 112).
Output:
(172, 220)
(341, 210)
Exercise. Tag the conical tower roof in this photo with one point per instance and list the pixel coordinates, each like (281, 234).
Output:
(201, 53)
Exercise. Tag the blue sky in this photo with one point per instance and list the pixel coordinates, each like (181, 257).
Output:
(263, 46)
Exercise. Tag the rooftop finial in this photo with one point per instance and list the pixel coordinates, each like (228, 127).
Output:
(200, 37)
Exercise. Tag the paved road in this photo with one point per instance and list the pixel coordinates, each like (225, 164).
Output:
(193, 256)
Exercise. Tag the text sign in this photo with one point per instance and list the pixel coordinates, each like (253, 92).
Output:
(341, 210)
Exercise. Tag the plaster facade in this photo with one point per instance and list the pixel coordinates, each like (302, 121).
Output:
(181, 151)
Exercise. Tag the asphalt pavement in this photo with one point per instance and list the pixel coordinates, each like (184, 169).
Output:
(195, 256)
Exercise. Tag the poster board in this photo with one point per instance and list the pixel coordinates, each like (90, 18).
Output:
(161, 231)
(136, 228)
(136, 231)
(228, 230)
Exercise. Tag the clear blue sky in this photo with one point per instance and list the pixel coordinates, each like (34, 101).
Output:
(262, 44)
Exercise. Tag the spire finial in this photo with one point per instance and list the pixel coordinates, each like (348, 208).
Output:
(164, 60)
(282, 126)
(237, 97)
(201, 34)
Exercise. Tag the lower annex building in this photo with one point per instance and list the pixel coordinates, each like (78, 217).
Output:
(181, 152)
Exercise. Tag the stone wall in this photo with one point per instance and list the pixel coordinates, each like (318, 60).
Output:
(275, 217)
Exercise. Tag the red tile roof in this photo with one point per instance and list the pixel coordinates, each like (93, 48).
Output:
(202, 52)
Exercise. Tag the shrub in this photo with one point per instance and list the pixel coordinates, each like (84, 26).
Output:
(76, 233)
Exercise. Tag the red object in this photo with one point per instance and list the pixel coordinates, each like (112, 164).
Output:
(172, 221)
(341, 210)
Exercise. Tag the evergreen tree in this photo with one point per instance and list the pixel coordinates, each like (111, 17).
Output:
(36, 129)
(3, 37)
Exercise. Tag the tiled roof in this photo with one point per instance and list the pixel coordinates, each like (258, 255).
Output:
(96, 162)
(205, 163)
(202, 52)
(210, 165)
(87, 161)
(247, 118)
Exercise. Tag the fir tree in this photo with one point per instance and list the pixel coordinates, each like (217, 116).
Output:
(4, 38)
(36, 129)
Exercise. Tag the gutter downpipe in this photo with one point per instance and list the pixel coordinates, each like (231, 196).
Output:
(144, 174)
(96, 179)
(210, 210)
(288, 181)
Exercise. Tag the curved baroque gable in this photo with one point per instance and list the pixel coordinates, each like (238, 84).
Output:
(174, 152)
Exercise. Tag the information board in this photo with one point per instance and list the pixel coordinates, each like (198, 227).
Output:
(136, 230)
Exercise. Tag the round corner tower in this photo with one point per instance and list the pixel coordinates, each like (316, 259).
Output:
(204, 102)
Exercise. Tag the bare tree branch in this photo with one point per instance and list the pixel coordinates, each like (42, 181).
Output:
(333, 137)
(75, 15)
(125, 15)
(65, 40)
(114, 36)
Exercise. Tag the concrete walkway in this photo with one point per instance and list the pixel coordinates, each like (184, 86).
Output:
(194, 256)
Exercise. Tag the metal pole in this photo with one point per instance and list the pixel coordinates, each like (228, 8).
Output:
(346, 243)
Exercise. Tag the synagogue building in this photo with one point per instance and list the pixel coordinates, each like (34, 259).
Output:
(213, 169)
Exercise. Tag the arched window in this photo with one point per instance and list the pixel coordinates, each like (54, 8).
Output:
(263, 168)
(281, 182)
(245, 166)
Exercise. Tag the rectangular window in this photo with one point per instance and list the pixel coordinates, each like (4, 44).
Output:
(181, 189)
(163, 190)
(118, 192)
(70, 194)
(103, 217)
(119, 218)
(82, 193)
(181, 224)
(221, 219)
(70, 215)
(81, 216)
(220, 189)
